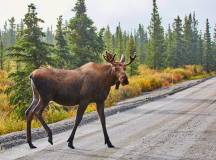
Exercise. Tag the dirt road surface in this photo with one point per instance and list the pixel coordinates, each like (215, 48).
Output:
(178, 127)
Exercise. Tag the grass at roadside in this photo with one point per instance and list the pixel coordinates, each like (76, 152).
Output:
(146, 80)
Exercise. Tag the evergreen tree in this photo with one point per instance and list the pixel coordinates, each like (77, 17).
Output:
(208, 49)
(12, 31)
(113, 43)
(5, 35)
(188, 39)
(19, 34)
(195, 38)
(85, 43)
(1, 52)
(200, 49)
(49, 36)
(178, 52)
(215, 35)
(118, 41)
(141, 42)
(156, 48)
(169, 61)
(125, 38)
(63, 57)
(108, 39)
(33, 53)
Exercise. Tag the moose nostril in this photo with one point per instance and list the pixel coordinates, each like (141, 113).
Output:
(123, 78)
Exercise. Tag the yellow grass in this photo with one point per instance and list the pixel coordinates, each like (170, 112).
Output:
(146, 80)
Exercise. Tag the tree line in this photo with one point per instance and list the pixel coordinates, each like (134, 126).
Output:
(182, 44)
(25, 47)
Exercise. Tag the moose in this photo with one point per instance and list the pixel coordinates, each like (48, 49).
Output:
(87, 84)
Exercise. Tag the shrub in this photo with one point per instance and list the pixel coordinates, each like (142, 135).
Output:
(55, 113)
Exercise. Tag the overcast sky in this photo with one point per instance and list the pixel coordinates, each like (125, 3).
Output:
(129, 12)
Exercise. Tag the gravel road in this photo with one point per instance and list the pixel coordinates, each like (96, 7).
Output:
(179, 127)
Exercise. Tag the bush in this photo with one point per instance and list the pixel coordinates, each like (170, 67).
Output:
(55, 113)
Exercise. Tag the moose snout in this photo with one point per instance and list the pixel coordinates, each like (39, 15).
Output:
(124, 80)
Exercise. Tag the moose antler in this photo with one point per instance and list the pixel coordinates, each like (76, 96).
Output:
(122, 58)
(109, 57)
(132, 58)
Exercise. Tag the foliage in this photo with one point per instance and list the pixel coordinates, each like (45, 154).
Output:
(108, 40)
(209, 59)
(85, 43)
(155, 57)
(141, 40)
(32, 53)
(62, 56)
(178, 50)
(1, 53)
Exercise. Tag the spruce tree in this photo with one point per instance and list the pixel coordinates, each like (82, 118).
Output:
(208, 49)
(178, 52)
(188, 38)
(156, 48)
(1, 52)
(215, 35)
(200, 50)
(32, 53)
(169, 53)
(141, 42)
(85, 43)
(49, 36)
(5, 35)
(108, 39)
(125, 38)
(118, 41)
(195, 38)
(12, 31)
(63, 58)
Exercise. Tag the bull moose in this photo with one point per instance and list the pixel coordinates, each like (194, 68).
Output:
(86, 84)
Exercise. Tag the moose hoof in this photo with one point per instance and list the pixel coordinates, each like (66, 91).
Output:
(50, 141)
(109, 145)
(32, 146)
(70, 145)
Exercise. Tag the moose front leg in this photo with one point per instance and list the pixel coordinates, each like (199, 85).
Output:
(100, 110)
(80, 111)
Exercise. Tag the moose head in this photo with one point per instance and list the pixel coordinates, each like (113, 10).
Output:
(119, 68)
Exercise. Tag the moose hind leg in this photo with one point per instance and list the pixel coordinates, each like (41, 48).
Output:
(38, 114)
(29, 116)
(100, 110)
(80, 111)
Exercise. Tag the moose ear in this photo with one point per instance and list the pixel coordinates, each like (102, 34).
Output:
(122, 58)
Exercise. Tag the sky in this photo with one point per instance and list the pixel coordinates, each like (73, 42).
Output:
(103, 12)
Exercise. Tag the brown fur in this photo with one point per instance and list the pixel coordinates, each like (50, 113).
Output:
(91, 82)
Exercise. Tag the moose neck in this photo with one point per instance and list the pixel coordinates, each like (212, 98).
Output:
(111, 76)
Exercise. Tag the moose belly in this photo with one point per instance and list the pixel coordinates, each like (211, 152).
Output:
(64, 98)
